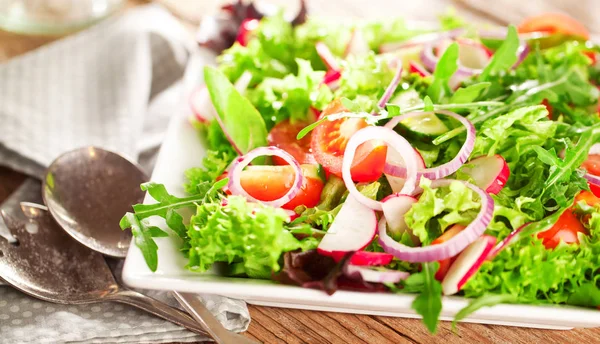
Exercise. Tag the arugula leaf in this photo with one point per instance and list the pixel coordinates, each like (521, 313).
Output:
(480, 302)
(233, 109)
(446, 67)
(470, 93)
(429, 302)
(165, 208)
(505, 57)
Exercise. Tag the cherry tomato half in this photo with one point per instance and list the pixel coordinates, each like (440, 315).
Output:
(283, 135)
(446, 263)
(565, 230)
(268, 183)
(329, 140)
(554, 23)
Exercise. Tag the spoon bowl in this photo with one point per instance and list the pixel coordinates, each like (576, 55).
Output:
(93, 221)
(87, 191)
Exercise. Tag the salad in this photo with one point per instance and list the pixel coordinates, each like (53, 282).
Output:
(380, 157)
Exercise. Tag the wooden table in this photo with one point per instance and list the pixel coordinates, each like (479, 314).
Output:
(278, 325)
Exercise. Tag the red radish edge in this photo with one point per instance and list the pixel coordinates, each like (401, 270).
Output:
(507, 241)
(362, 258)
(201, 105)
(327, 56)
(417, 68)
(467, 264)
(352, 229)
(488, 172)
(357, 45)
(246, 28)
(367, 274)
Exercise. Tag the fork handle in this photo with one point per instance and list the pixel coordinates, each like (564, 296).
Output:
(158, 308)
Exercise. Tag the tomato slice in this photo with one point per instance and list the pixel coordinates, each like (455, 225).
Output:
(554, 23)
(268, 183)
(548, 107)
(592, 164)
(565, 229)
(329, 140)
(283, 135)
(446, 263)
(587, 197)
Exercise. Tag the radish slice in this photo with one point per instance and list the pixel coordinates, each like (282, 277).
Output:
(449, 248)
(358, 44)
(394, 158)
(594, 149)
(235, 185)
(417, 68)
(327, 56)
(442, 170)
(201, 104)
(332, 79)
(467, 264)
(471, 54)
(352, 229)
(246, 30)
(514, 235)
(593, 180)
(379, 275)
(394, 141)
(488, 172)
(394, 207)
(200, 101)
(364, 258)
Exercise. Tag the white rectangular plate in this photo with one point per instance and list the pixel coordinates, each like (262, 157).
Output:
(183, 149)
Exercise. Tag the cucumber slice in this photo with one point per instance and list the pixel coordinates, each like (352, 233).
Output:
(428, 125)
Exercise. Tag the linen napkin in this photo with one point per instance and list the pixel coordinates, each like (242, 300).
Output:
(115, 86)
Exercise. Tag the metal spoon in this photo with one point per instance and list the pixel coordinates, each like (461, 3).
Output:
(44, 262)
(84, 191)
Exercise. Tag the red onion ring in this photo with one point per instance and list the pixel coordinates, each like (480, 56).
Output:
(592, 178)
(394, 141)
(422, 39)
(235, 185)
(449, 248)
(442, 170)
(367, 274)
(389, 91)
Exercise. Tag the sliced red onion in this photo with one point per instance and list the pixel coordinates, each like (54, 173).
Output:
(421, 39)
(394, 141)
(372, 275)
(327, 56)
(514, 235)
(389, 91)
(442, 170)
(235, 185)
(522, 52)
(449, 248)
(592, 179)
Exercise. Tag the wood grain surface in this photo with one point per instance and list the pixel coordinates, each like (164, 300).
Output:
(278, 325)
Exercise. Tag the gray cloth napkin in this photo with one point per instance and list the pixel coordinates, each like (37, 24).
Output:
(114, 86)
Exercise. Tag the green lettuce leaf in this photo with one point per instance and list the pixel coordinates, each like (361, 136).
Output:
(239, 232)
(439, 208)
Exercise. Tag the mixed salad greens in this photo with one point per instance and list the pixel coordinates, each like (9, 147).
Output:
(397, 159)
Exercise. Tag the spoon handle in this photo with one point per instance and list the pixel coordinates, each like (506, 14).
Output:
(158, 308)
(199, 311)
